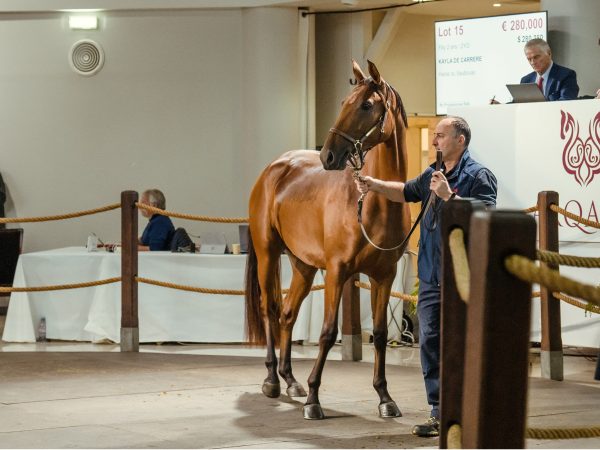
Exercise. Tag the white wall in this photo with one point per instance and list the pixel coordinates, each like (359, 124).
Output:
(176, 106)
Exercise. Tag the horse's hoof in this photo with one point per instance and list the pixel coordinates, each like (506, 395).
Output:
(271, 390)
(295, 390)
(389, 409)
(313, 412)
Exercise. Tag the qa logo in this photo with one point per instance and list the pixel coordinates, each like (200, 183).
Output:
(580, 158)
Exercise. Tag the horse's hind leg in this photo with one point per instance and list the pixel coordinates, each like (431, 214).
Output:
(302, 280)
(380, 294)
(268, 276)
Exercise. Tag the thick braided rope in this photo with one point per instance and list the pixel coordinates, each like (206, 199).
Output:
(570, 215)
(395, 294)
(562, 433)
(454, 436)
(60, 287)
(163, 212)
(60, 216)
(526, 270)
(531, 209)
(567, 260)
(201, 290)
(462, 274)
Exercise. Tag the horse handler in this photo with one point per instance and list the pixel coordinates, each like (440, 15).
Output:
(460, 176)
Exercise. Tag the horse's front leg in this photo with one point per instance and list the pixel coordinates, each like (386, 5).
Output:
(380, 295)
(333, 292)
(302, 280)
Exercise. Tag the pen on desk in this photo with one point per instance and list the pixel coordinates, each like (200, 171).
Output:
(492, 100)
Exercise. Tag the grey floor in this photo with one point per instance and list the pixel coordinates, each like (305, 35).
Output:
(81, 395)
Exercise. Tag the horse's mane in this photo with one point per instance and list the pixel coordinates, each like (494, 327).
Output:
(399, 102)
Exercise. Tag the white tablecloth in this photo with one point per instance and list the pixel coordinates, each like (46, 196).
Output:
(94, 314)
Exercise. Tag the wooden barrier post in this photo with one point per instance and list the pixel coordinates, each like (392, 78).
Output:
(130, 338)
(497, 343)
(351, 330)
(551, 351)
(457, 214)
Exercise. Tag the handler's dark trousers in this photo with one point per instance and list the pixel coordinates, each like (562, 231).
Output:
(428, 312)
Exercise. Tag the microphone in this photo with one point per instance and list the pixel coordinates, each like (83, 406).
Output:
(438, 160)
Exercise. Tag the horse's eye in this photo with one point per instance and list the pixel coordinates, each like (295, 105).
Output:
(366, 106)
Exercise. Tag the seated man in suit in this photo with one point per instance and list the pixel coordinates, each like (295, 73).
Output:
(158, 233)
(556, 82)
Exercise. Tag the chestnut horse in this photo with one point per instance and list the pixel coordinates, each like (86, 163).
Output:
(305, 203)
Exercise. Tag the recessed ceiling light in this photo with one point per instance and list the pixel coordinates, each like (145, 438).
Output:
(497, 5)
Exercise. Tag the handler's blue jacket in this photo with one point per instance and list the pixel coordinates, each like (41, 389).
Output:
(467, 179)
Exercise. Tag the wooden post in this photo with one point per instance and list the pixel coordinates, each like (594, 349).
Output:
(130, 338)
(551, 351)
(456, 214)
(351, 330)
(497, 342)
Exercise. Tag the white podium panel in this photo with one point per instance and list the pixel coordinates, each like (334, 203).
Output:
(551, 146)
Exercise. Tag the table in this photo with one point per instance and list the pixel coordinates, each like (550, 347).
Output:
(165, 315)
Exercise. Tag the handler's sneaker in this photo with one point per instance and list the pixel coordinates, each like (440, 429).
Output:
(431, 428)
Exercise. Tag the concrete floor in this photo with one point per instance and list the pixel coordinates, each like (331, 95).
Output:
(81, 395)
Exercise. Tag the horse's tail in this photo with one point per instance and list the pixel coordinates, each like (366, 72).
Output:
(255, 327)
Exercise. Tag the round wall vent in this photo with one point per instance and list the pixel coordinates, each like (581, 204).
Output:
(86, 57)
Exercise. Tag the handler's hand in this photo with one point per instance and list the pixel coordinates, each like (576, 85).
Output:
(363, 184)
(439, 185)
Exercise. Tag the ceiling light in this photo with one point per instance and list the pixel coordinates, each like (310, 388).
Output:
(83, 22)
(497, 5)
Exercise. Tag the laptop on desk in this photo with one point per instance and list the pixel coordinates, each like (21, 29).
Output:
(525, 93)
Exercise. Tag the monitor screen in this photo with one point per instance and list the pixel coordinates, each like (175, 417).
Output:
(476, 58)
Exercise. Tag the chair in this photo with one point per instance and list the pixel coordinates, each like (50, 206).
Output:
(11, 245)
(181, 242)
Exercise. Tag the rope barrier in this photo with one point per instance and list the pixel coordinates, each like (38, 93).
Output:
(60, 216)
(567, 260)
(454, 437)
(60, 287)
(570, 300)
(462, 274)
(579, 304)
(531, 209)
(570, 215)
(183, 287)
(163, 212)
(562, 433)
(526, 270)
(395, 294)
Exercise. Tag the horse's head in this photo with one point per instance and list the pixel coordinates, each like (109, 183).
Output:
(363, 122)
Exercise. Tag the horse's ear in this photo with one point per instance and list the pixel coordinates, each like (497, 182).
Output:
(374, 72)
(358, 73)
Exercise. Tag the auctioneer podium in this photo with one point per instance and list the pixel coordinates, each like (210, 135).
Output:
(550, 146)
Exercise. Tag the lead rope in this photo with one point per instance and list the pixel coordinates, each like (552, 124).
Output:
(428, 202)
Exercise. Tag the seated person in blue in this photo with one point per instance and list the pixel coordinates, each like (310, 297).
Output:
(158, 233)
(556, 82)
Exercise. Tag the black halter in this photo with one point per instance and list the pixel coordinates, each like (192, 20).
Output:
(357, 156)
